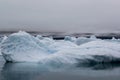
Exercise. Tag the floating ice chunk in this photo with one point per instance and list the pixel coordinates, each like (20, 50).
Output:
(22, 46)
(93, 37)
(69, 38)
(113, 38)
(82, 40)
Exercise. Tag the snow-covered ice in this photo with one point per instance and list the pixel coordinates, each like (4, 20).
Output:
(23, 47)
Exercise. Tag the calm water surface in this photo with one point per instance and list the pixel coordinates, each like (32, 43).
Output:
(36, 71)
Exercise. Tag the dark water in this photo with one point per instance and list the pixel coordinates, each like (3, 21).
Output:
(36, 71)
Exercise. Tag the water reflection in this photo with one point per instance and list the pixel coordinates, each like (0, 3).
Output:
(22, 71)
(100, 66)
(36, 71)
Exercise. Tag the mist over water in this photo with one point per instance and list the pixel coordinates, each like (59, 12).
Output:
(60, 15)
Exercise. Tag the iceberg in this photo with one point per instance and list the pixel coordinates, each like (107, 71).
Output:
(82, 40)
(69, 38)
(23, 47)
(114, 40)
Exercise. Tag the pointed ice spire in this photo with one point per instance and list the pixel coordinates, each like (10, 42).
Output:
(113, 38)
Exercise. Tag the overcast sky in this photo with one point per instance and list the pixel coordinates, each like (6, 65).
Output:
(60, 15)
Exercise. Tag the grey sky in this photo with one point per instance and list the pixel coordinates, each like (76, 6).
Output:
(60, 15)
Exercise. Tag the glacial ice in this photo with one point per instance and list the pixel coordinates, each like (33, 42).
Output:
(82, 40)
(69, 38)
(94, 51)
(1, 41)
(23, 47)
